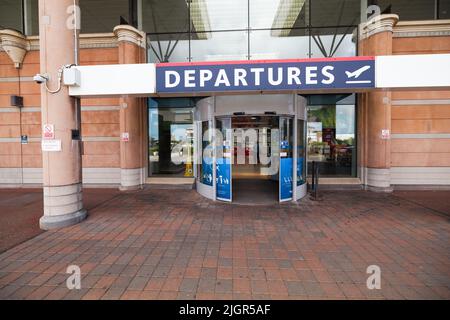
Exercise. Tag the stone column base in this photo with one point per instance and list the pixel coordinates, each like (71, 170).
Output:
(379, 189)
(378, 180)
(131, 179)
(63, 206)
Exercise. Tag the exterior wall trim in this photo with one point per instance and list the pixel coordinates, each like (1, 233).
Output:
(85, 139)
(131, 179)
(377, 178)
(16, 109)
(83, 108)
(130, 34)
(103, 139)
(101, 108)
(17, 139)
(420, 102)
(15, 45)
(87, 41)
(420, 136)
(33, 176)
(382, 23)
(420, 175)
(16, 79)
(424, 28)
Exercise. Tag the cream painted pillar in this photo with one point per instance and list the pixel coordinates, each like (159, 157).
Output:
(376, 163)
(63, 204)
(132, 162)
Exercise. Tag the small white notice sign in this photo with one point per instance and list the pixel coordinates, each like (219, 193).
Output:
(385, 134)
(51, 145)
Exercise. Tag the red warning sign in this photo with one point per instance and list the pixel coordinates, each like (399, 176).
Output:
(125, 136)
(48, 131)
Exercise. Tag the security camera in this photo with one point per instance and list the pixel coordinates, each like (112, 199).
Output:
(40, 78)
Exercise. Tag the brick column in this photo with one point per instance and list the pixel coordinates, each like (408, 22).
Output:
(132, 161)
(63, 203)
(375, 117)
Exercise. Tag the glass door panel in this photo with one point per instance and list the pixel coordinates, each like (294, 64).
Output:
(206, 168)
(301, 152)
(286, 159)
(224, 159)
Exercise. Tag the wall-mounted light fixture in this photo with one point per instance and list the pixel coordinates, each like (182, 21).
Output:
(16, 101)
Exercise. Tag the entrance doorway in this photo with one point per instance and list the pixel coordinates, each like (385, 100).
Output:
(254, 175)
(250, 149)
(254, 158)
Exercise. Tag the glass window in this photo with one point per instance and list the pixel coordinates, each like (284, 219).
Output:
(206, 166)
(171, 137)
(276, 44)
(31, 17)
(333, 42)
(331, 134)
(335, 12)
(443, 9)
(103, 15)
(209, 15)
(172, 47)
(11, 15)
(219, 46)
(301, 152)
(165, 16)
(408, 9)
(265, 29)
(286, 137)
(277, 14)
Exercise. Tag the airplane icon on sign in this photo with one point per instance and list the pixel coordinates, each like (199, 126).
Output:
(355, 74)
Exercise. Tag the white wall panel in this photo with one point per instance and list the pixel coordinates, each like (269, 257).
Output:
(413, 71)
(118, 79)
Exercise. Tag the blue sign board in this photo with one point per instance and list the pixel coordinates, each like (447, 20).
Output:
(300, 171)
(257, 75)
(285, 179)
(223, 178)
(207, 173)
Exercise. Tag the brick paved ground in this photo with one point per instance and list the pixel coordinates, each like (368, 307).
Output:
(20, 210)
(167, 244)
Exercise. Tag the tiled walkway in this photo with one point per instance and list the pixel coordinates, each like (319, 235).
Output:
(167, 244)
(20, 210)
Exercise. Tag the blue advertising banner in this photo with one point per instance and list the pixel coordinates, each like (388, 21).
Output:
(257, 75)
(285, 179)
(207, 171)
(300, 171)
(223, 179)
